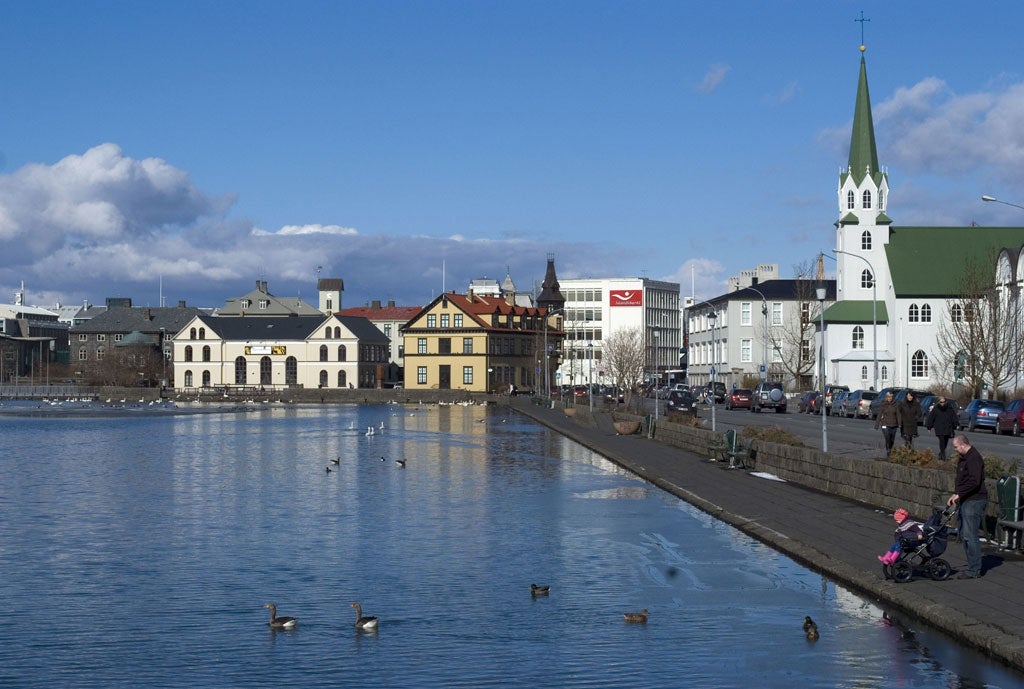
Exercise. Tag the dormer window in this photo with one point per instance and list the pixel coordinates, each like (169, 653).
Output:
(247, 303)
(867, 199)
(264, 303)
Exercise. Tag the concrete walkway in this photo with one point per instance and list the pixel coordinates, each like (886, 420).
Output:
(829, 534)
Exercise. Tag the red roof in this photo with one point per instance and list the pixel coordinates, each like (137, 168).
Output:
(382, 313)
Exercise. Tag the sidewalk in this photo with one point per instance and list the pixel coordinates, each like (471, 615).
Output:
(986, 613)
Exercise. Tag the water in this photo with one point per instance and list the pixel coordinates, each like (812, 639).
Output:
(138, 551)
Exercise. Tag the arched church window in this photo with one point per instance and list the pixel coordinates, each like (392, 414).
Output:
(866, 280)
(919, 365)
(851, 200)
(926, 313)
(865, 240)
(913, 315)
(858, 338)
(867, 199)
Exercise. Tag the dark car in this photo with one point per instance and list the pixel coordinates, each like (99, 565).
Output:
(719, 389)
(681, 401)
(981, 413)
(837, 401)
(808, 402)
(1011, 419)
(738, 398)
(877, 402)
(858, 404)
(769, 396)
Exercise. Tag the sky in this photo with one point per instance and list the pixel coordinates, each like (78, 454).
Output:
(182, 151)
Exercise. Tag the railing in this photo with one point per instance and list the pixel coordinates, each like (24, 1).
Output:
(33, 392)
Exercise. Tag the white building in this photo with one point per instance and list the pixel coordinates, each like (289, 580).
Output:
(595, 308)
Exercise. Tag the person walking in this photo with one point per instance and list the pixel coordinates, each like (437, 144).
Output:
(972, 497)
(943, 420)
(888, 420)
(908, 412)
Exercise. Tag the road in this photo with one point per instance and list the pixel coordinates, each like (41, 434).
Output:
(856, 437)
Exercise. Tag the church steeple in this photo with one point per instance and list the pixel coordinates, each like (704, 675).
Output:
(550, 291)
(863, 154)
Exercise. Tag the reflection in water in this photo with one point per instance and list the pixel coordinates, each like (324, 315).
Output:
(180, 529)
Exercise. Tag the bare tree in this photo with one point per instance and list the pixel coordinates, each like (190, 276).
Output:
(792, 340)
(625, 356)
(977, 340)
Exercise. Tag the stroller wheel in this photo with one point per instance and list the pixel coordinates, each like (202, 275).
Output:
(939, 569)
(902, 572)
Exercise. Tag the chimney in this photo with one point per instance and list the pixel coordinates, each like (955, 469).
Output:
(391, 303)
(375, 304)
(147, 314)
(258, 286)
(469, 294)
(264, 287)
(181, 303)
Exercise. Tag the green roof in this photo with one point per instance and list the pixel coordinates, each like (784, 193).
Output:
(850, 219)
(863, 154)
(851, 311)
(931, 261)
(883, 219)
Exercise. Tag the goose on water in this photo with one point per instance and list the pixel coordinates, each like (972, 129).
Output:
(363, 622)
(636, 617)
(280, 622)
(539, 590)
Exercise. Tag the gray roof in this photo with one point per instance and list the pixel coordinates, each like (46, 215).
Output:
(122, 319)
(288, 327)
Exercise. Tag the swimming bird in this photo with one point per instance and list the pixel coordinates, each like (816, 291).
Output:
(382, 458)
(382, 425)
(280, 622)
(400, 462)
(636, 617)
(811, 629)
(539, 590)
(328, 467)
(336, 461)
(364, 623)
(369, 430)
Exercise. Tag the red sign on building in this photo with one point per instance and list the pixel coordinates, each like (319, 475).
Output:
(626, 297)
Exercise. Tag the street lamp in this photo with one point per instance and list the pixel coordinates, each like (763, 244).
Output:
(590, 375)
(824, 417)
(656, 334)
(163, 357)
(764, 312)
(874, 312)
(713, 317)
(547, 354)
(993, 199)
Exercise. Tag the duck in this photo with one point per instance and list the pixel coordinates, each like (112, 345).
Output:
(811, 629)
(536, 590)
(636, 617)
(364, 623)
(401, 463)
(280, 622)
(336, 461)
(328, 468)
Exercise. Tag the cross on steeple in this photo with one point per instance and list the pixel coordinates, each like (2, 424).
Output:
(862, 20)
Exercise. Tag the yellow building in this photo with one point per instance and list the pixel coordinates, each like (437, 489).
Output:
(480, 344)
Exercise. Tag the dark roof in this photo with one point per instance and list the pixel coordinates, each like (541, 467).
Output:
(330, 285)
(144, 319)
(777, 289)
(287, 327)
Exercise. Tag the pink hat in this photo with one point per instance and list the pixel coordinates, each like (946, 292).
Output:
(900, 514)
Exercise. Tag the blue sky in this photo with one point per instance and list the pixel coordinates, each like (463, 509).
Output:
(215, 143)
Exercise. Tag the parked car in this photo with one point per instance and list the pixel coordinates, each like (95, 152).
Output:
(837, 401)
(981, 413)
(580, 391)
(830, 392)
(682, 387)
(928, 401)
(918, 395)
(858, 404)
(719, 389)
(769, 396)
(1011, 419)
(875, 403)
(738, 398)
(808, 401)
(681, 401)
(699, 392)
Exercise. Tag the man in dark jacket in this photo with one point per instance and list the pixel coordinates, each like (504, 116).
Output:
(944, 420)
(909, 413)
(972, 496)
(888, 420)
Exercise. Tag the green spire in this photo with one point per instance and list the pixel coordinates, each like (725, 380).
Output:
(863, 153)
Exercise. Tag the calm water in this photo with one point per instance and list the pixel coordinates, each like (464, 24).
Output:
(138, 552)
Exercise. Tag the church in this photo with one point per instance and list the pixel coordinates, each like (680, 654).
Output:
(900, 301)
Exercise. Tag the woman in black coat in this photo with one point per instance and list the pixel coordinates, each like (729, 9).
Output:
(909, 414)
(944, 420)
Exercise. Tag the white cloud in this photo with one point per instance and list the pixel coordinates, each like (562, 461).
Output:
(703, 277)
(294, 230)
(713, 78)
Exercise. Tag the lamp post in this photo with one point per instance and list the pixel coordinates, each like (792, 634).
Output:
(874, 313)
(993, 199)
(547, 354)
(824, 417)
(713, 317)
(590, 375)
(163, 357)
(655, 334)
(764, 312)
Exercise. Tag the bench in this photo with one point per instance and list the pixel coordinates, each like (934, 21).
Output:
(1012, 530)
(730, 447)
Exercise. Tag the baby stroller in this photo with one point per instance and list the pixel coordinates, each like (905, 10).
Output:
(924, 554)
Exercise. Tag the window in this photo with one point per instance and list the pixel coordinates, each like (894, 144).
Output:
(926, 313)
(864, 373)
(101, 338)
(866, 279)
(467, 345)
(191, 334)
(337, 332)
(82, 337)
(342, 379)
(458, 320)
(421, 375)
(805, 350)
(467, 375)
(188, 379)
(444, 345)
(265, 369)
(330, 305)
(913, 315)
(858, 338)
(444, 320)
(206, 352)
(776, 313)
(746, 345)
(99, 353)
(968, 312)
(421, 345)
(919, 365)
(745, 313)
(202, 333)
(240, 370)
(246, 303)
(885, 373)
(805, 312)
(865, 240)
(323, 379)
(342, 353)
(206, 379)
(264, 303)
(431, 320)
(867, 199)
(323, 352)
(956, 313)
(188, 353)
(83, 354)
(117, 337)
(327, 333)
(881, 200)
(851, 200)
(387, 329)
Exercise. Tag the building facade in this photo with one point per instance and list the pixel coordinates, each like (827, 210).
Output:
(389, 319)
